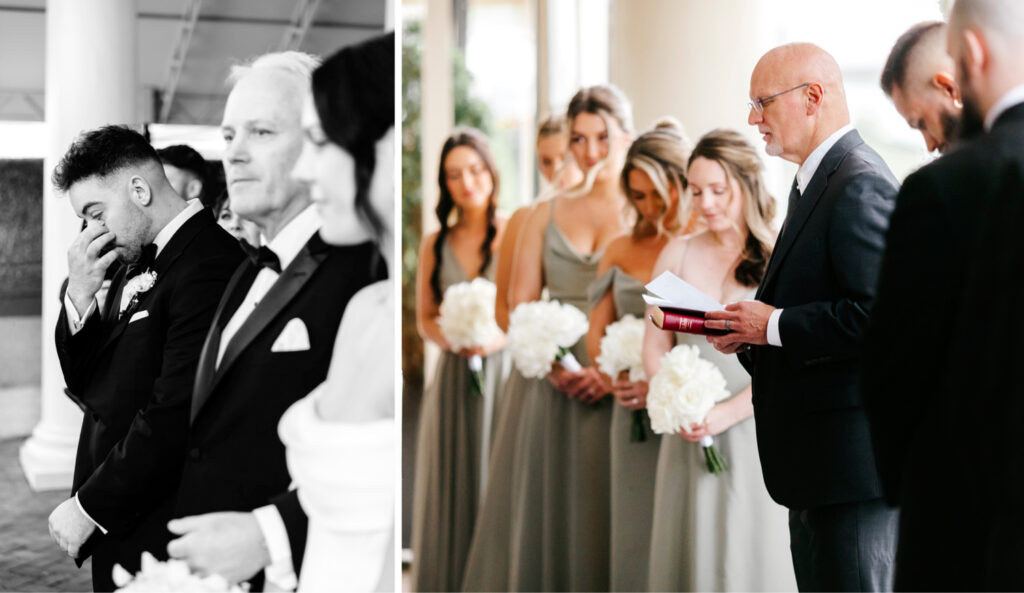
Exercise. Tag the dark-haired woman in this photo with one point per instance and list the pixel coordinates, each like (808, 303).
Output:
(718, 532)
(454, 428)
(341, 445)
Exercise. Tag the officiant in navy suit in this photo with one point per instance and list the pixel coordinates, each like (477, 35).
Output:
(270, 343)
(131, 365)
(942, 370)
(801, 338)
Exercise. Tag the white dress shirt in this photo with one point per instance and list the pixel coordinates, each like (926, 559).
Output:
(286, 245)
(75, 322)
(1012, 97)
(803, 177)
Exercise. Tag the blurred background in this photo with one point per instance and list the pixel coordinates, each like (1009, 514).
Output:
(503, 65)
(71, 65)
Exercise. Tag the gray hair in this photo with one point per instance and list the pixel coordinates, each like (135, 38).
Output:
(299, 63)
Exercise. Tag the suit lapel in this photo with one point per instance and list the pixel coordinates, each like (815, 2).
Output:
(285, 288)
(806, 205)
(168, 255)
(234, 294)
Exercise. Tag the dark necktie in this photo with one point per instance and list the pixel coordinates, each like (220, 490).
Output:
(264, 257)
(794, 197)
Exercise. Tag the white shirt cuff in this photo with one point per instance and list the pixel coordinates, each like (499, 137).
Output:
(82, 509)
(281, 571)
(774, 338)
(76, 321)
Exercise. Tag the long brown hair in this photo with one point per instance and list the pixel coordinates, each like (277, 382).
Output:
(740, 161)
(661, 153)
(475, 139)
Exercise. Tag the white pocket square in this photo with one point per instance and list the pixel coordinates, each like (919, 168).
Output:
(139, 315)
(293, 338)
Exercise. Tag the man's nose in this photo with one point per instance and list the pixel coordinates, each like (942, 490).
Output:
(236, 150)
(753, 117)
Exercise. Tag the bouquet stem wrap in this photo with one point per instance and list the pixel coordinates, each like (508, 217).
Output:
(637, 434)
(476, 369)
(715, 462)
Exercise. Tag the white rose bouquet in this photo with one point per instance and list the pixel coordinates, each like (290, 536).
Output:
(467, 321)
(174, 575)
(682, 393)
(622, 350)
(541, 332)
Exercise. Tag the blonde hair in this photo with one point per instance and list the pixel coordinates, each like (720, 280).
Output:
(607, 102)
(661, 153)
(551, 125)
(741, 163)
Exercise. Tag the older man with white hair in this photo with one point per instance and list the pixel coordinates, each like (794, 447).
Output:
(270, 343)
(941, 374)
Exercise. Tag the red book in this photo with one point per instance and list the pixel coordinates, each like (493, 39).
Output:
(683, 320)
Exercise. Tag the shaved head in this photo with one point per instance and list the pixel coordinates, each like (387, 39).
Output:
(810, 104)
(1004, 18)
(916, 56)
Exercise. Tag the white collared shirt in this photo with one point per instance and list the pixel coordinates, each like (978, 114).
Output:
(803, 177)
(1011, 98)
(76, 321)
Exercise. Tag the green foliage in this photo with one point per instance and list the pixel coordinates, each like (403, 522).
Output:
(469, 111)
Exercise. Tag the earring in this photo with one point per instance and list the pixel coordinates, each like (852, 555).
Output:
(958, 103)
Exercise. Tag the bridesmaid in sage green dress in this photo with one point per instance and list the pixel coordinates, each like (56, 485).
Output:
(718, 532)
(561, 508)
(454, 428)
(653, 180)
(487, 564)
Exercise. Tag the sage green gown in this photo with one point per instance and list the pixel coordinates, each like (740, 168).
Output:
(717, 533)
(633, 464)
(487, 564)
(560, 474)
(451, 458)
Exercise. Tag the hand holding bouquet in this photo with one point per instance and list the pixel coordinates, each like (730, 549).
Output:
(682, 393)
(622, 350)
(174, 575)
(541, 332)
(467, 321)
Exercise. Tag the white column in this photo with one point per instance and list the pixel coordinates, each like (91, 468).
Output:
(91, 80)
(693, 60)
(437, 118)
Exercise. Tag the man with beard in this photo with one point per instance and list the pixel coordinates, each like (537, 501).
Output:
(918, 77)
(131, 364)
(940, 376)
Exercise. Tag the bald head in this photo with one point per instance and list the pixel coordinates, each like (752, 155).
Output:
(795, 122)
(1002, 18)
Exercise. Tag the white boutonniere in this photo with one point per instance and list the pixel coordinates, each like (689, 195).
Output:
(137, 286)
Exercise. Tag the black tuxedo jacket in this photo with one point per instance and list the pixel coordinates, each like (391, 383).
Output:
(942, 366)
(133, 379)
(235, 460)
(812, 431)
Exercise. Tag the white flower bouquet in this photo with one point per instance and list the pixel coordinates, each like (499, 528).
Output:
(622, 350)
(541, 332)
(682, 393)
(171, 576)
(467, 320)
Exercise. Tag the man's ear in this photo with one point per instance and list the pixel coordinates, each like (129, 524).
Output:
(815, 96)
(193, 188)
(976, 52)
(140, 190)
(945, 82)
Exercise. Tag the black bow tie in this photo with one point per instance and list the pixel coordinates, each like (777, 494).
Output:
(146, 257)
(265, 258)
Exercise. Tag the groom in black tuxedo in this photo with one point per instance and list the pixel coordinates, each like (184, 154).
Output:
(270, 343)
(946, 341)
(131, 364)
(801, 338)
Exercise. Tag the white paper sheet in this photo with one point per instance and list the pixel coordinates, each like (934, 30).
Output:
(669, 290)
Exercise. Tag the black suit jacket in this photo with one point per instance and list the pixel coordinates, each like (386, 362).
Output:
(942, 377)
(235, 459)
(133, 380)
(812, 431)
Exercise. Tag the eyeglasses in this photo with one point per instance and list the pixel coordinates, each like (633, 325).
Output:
(759, 103)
